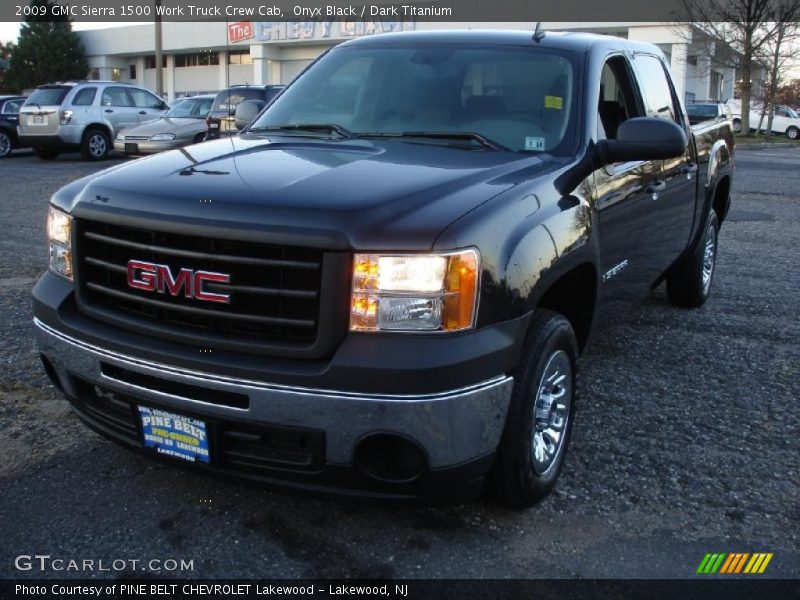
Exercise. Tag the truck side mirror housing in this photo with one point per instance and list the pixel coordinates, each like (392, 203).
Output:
(247, 111)
(644, 138)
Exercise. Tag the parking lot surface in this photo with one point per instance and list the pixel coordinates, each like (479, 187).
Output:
(686, 441)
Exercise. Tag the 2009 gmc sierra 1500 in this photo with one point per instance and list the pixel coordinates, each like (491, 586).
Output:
(381, 287)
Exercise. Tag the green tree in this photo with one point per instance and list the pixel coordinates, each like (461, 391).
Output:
(6, 48)
(47, 50)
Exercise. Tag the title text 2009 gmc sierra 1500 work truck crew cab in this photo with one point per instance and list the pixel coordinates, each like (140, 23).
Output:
(382, 285)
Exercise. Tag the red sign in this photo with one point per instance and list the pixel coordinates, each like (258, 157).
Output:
(238, 32)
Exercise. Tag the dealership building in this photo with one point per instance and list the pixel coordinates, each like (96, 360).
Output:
(202, 57)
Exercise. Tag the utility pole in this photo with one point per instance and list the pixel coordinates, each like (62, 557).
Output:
(159, 53)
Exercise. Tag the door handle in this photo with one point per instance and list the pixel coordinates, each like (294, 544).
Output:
(142, 112)
(655, 187)
(688, 169)
(108, 110)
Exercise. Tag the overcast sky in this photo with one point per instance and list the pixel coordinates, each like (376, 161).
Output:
(10, 31)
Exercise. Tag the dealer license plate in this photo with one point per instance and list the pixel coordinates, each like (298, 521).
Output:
(174, 435)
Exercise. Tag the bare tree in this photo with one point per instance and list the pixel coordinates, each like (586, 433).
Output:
(745, 25)
(782, 50)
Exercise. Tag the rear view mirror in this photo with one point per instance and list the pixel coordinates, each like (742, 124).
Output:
(644, 138)
(247, 111)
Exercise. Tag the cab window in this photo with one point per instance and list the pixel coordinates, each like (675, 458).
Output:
(116, 96)
(143, 99)
(618, 101)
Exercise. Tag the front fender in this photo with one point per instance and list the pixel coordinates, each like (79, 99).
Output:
(551, 249)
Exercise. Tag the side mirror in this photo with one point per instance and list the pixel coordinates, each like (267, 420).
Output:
(644, 138)
(247, 111)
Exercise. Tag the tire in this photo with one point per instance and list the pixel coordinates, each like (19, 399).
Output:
(793, 133)
(199, 138)
(46, 154)
(526, 468)
(737, 126)
(6, 143)
(95, 144)
(689, 284)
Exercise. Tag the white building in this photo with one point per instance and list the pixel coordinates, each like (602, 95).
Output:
(207, 56)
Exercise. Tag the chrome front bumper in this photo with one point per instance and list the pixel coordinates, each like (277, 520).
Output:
(453, 427)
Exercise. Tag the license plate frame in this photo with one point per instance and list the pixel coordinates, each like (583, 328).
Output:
(174, 435)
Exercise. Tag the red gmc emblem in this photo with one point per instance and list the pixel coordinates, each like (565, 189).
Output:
(151, 277)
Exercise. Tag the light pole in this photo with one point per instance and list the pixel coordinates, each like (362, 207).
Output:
(159, 53)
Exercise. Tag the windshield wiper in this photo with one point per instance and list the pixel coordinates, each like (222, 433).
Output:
(468, 136)
(329, 127)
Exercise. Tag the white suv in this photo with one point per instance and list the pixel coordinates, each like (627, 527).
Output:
(84, 115)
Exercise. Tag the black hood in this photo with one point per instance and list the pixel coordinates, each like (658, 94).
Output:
(371, 194)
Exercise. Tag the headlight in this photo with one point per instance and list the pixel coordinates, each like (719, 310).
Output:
(415, 292)
(59, 237)
(120, 136)
(162, 137)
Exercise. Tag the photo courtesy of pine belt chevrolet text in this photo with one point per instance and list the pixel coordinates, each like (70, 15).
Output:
(382, 285)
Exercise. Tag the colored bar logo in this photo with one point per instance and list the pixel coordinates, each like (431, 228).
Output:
(733, 563)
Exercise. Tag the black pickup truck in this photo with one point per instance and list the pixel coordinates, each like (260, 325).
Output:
(381, 287)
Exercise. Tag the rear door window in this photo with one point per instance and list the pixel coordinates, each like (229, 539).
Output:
(49, 96)
(656, 89)
(84, 97)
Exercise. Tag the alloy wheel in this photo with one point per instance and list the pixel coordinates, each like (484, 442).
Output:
(551, 412)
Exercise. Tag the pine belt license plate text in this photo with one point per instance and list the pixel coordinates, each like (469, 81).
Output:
(175, 435)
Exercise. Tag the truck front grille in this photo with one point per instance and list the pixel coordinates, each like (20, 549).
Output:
(274, 291)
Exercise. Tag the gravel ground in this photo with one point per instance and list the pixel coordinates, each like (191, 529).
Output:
(686, 442)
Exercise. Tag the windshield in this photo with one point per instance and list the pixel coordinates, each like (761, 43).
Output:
(792, 113)
(193, 108)
(227, 100)
(519, 98)
(48, 96)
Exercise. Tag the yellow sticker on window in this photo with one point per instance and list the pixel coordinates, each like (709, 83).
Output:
(556, 102)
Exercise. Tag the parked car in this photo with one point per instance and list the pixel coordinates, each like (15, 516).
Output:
(222, 120)
(184, 124)
(394, 268)
(84, 116)
(708, 111)
(785, 121)
(9, 117)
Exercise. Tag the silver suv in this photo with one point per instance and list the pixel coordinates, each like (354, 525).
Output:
(83, 115)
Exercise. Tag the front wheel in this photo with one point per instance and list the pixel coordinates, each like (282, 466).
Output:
(540, 415)
(793, 133)
(689, 284)
(737, 126)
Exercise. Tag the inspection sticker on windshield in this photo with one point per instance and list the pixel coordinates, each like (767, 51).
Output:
(174, 435)
(534, 143)
(554, 102)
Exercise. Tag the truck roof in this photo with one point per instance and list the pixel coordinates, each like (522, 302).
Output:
(560, 40)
